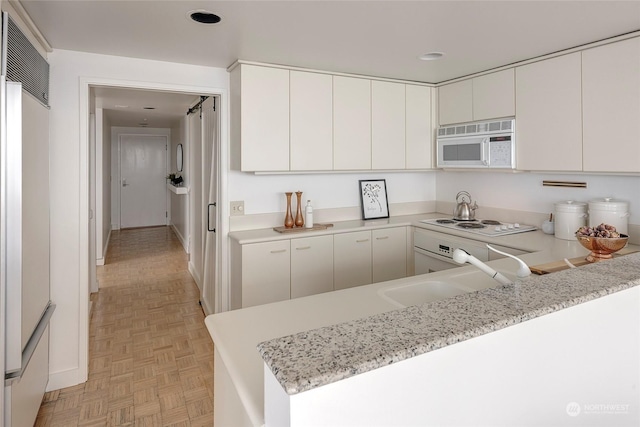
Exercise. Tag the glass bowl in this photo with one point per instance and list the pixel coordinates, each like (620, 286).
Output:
(602, 247)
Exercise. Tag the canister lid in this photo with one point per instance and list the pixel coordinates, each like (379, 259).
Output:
(608, 204)
(571, 206)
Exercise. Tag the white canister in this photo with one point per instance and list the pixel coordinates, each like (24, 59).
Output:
(609, 211)
(570, 216)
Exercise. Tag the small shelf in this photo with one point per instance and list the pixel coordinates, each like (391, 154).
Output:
(178, 190)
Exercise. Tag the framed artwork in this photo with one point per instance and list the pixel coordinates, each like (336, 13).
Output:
(373, 198)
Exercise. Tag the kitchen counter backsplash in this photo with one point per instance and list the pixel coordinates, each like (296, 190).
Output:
(314, 358)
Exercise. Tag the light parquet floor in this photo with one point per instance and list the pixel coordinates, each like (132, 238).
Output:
(150, 355)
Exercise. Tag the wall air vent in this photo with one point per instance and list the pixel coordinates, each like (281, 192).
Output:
(25, 64)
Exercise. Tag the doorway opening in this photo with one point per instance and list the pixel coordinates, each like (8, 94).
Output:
(106, 152)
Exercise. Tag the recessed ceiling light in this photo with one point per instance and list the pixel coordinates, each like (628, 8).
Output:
(431, 56)
(204, 17)
(148, 108)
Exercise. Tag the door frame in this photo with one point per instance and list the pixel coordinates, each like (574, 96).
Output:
(222, 286)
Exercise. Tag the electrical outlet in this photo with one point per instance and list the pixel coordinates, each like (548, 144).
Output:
(237, 208)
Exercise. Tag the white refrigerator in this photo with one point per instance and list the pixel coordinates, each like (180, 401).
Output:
(24, 252)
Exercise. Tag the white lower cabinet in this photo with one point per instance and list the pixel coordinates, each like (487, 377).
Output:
(266, 272)
(352, 259)
(389, 253)
(311, 266)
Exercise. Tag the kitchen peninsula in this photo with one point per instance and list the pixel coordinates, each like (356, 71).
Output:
(352, 357)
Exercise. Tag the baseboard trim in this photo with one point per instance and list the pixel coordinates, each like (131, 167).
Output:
(64, 379)
(195, 276)
(182, 239)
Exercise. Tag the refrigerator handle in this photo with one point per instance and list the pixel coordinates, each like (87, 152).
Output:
(30, 348)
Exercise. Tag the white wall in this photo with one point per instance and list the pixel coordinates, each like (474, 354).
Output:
(116, 132)
(524, 191)
(69, 197)
(265, 193)
(180, 202)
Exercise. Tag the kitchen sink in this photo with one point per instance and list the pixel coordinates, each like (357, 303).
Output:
(419, 293)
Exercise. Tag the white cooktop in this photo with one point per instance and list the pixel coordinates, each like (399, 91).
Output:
(483, 227)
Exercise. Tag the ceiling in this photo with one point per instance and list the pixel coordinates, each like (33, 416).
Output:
(375, 38)
(129, 107)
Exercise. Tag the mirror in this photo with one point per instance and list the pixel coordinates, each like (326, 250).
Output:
(179, 157)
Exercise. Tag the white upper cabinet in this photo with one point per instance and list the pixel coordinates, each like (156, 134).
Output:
(351, 123)
(311, 143)
(549, 114)
(485, 97)
(611, 107)
(494, 95)
(387, 125)
(418, 127)
(290, 120)
(455, 103)
(260, 118)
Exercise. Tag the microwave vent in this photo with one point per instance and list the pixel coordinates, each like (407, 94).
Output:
(477, 128)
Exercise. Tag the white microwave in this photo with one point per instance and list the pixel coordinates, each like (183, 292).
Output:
(477, 145)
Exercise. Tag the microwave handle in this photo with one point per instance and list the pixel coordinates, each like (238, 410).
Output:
(486, 147)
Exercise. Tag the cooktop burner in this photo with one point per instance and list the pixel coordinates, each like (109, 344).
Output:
(470, 225)
(486, 227)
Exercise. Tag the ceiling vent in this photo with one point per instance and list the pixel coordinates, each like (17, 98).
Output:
(24, 64)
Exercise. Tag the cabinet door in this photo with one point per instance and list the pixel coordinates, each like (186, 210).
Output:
(611, 107)
(455, 103)
(351, 123)
(311, 139)
(265, 273)
(264, 118)
(549, 106)
(494, 95)
(389, 253)
(387, 125)
(311, 266)
(351, 259)
(418, 127)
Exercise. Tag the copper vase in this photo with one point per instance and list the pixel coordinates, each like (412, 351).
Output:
(288, 219)
(299, 217)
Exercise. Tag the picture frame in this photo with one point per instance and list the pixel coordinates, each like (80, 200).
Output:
(373, 199)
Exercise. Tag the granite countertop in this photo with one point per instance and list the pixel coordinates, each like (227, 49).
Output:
(321, 356)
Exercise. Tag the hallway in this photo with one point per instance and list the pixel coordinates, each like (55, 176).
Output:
(150, 355)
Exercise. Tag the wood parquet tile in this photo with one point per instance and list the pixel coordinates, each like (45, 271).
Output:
(150, 356)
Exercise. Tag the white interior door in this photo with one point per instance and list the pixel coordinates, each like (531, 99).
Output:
(195, 182)
(143, 192)
(210, 198)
